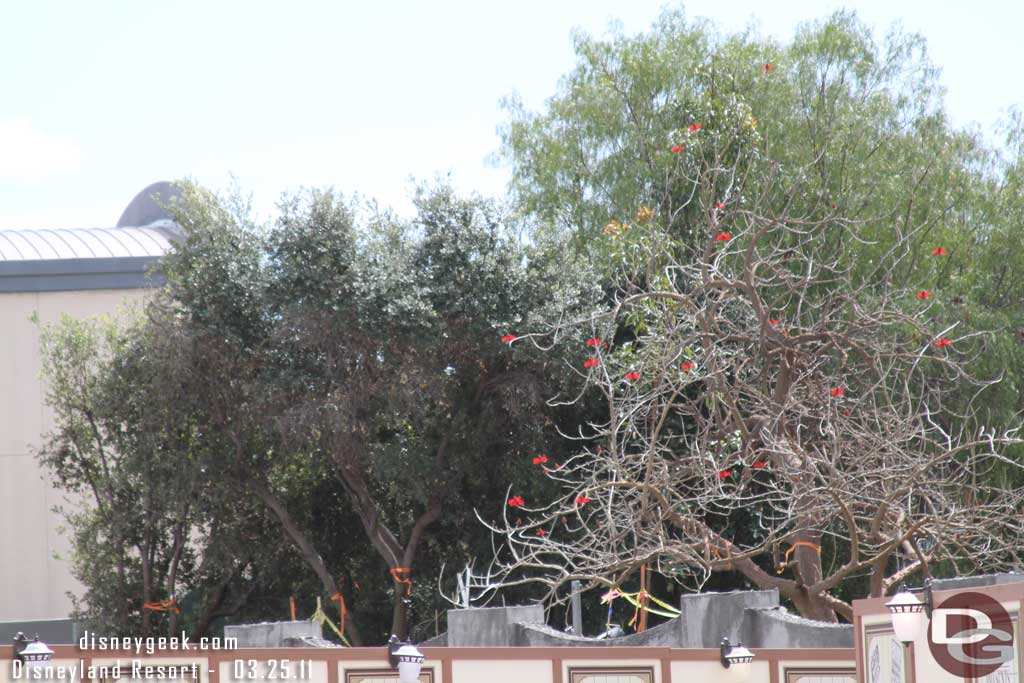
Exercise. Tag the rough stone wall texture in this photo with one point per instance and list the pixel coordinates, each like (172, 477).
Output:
(275, 633)
(778, 628)
(708, 617)
(753, 617)
(489, 626)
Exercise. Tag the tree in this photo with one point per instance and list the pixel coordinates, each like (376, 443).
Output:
(862, 118)
(124, 445)
(770, 409)
(370, 353)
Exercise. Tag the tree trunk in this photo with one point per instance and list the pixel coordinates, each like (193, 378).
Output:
(172, 572)
(305, 547)
(400, 613)
(147, 589)
(807, 568)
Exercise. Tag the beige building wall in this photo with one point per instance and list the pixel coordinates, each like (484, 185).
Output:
(33, 584)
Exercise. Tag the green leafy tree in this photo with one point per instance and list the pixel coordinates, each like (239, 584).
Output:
(143, 512)
(370, 353)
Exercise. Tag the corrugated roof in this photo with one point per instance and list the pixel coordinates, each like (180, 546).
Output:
(85, 243)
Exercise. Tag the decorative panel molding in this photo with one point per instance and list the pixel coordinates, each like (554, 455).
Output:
(611, 674)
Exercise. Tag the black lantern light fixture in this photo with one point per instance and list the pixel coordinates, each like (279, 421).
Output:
(406, 658)
(734, 654)
(32, 654)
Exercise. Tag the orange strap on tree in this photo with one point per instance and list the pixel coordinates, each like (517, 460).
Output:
(291, 601)
(163, 606)
(342, 610)
(806, 544)
(402, 575)
(642, 626)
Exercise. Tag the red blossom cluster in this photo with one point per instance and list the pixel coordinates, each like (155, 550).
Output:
(508, 339)
(767, 67)
(590, 363)
(943, 342)
(939, 251)
(540, 460)
(582, 500)
(694, 128)
(760, 465)
(720, 205)
(516, 502)
(632, 376)
(687, 366)
(924, 294)
(838, 391)
(723, 237)
(724, 474)
(677, 149)
(593, 341)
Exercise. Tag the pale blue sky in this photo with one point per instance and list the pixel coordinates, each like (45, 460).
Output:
(98, 99)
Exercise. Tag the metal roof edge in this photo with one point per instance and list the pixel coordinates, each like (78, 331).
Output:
(54, 275)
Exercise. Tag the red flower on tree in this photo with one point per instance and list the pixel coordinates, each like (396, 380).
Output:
(540, 460)
(590, 363)
(760, 465)
(720, 205)
(677, 149)
(632, 376)
(838, 391)
(694, 128)
(923, 294)
(723, 237)
(724, 474)
(943, 342)
(508, 339)
(541, 532)
(939, 251)
(582, 500)
(593, 341)
(773, 321)
(767, 67)
(687, 366)
(516, 502)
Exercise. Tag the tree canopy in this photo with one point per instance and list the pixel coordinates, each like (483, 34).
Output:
(768, 216)
(753, 317)
(360, 363)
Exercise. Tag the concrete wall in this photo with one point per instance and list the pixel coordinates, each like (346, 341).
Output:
(277, 634)
(539, 635)
(708, 617)
(33, 584)
(751, 617)
(489, 626)
(778, 628)
(53, 631)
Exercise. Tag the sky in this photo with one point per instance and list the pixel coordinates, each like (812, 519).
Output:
(99, 99)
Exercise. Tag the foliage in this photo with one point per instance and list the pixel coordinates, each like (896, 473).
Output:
(791, 357)
(346, 380)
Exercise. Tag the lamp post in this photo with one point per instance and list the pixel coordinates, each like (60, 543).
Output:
(735, 655)
(909, 614)
(32, 654)
(406, 658)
